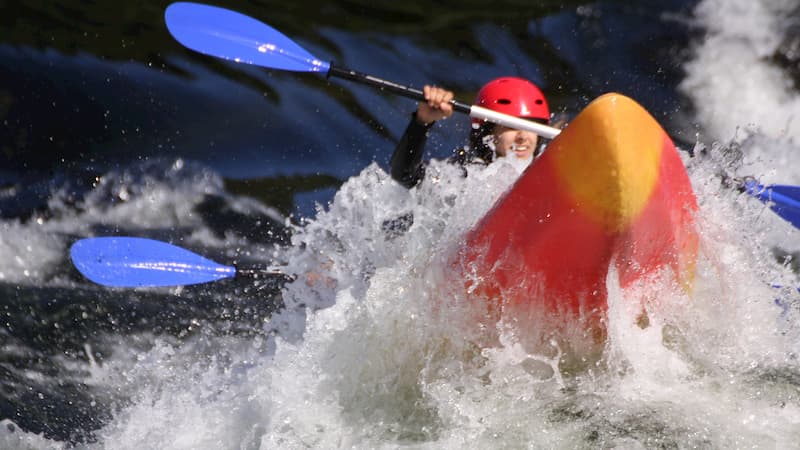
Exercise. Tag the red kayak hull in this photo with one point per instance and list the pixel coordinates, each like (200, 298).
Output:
(611, 190)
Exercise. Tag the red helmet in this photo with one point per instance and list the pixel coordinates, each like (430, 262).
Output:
(514, 96)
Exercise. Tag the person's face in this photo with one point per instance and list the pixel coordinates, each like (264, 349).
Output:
(511, 142)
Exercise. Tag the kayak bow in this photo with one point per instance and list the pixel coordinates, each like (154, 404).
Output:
(610, 190)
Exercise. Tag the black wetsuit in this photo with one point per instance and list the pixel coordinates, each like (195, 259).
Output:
(406, 163)
(407, 169)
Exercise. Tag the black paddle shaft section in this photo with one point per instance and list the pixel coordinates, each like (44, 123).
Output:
(255, 273)
(390, 86)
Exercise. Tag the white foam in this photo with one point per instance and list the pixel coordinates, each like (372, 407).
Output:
(746, 102)
(730, 79)
(12, 437)
(372, 361)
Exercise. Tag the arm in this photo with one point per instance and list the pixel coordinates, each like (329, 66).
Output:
(407, 167)
(406, 162)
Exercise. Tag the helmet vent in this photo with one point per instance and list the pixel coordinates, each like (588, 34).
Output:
(539, 101)
(503, 101)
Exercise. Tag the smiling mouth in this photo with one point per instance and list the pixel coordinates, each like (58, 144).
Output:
(519, 148)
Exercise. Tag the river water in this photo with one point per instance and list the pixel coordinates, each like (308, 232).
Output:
(110, 128)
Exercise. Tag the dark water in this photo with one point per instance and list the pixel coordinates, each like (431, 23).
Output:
(92, 92)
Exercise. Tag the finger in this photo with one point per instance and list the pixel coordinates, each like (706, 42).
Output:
(426, 91)
(447, 97)
(438, 96)
(444, 104)
(446, 108)
(441, 95)
(434, 97)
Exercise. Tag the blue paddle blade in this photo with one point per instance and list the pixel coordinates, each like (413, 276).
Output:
(137, 262)
(783, 199)
(231, 35)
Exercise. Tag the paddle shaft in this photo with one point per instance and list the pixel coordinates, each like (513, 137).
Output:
(385, 85)
(257, 273)
(474, 111)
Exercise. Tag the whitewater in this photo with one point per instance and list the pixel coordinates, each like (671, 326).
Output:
(364, 356)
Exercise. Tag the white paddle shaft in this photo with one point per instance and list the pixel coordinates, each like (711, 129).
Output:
(479, 112)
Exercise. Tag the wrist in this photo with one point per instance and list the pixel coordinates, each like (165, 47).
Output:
(421, 121)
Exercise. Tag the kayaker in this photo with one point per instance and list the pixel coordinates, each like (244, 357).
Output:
(509, 95)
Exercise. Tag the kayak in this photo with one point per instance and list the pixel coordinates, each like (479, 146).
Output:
(609, 192)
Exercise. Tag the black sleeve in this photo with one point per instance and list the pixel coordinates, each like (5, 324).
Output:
(407, 167)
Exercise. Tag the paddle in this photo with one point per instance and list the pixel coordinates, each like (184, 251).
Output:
(783, 199)
(138, 262)
(234, 36)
